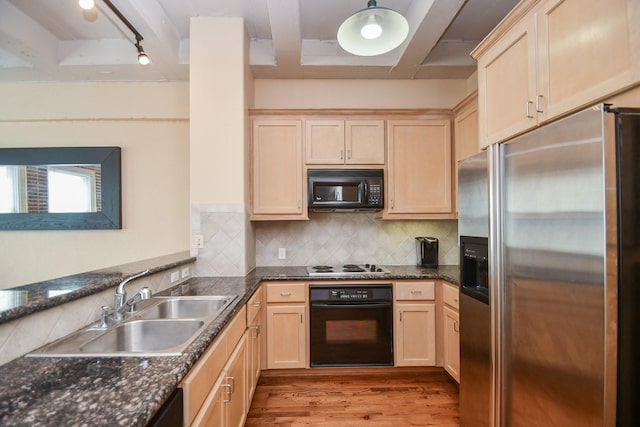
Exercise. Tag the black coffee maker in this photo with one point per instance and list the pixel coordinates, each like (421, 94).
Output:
(427, 251)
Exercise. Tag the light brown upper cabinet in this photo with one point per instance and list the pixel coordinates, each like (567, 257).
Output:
(507, 84)
(278, 184)
(419, 176)
(549, 58)
(465, 131)
(344, 142)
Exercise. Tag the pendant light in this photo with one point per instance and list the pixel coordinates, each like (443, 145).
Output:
(373, 31)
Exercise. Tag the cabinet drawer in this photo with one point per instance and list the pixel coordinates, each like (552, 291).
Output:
(199, 381)
(415, 290)
(450, 295)
(235, 329)
(253, 305)
(286, 292)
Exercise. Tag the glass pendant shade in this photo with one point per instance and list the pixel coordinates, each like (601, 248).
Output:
(87, 4)
(373, 31)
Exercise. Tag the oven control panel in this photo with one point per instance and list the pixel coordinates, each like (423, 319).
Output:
(371, 293)
(350, 294)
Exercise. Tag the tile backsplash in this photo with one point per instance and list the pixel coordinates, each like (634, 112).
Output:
(355, 237)
(228, 240)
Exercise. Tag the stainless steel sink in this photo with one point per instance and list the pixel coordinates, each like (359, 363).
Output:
(144, 336)
(163, 326)
(185, 308)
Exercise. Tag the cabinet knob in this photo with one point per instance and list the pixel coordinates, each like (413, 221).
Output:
(456, 326)
(341, 154)
(349, 154)
(285, 294)
(415, 292)
(257, 304)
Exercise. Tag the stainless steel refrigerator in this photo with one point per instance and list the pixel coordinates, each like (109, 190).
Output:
(475, 314)
(564, 275)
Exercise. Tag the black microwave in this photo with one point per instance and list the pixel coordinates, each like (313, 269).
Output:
(332, 190)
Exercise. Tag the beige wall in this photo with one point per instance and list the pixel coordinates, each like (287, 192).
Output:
(218, 110)
(359, 93)
(150, 122)
(221, 87)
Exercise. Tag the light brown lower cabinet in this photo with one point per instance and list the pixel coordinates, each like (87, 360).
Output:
(254, 341)
(452, 343)
(234, 397)
(415, 323)
(218, 389)
(286, 325)
(451, 330)
(226, 404)
(286, 340)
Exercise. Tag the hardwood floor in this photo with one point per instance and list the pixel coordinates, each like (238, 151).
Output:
(369, 397)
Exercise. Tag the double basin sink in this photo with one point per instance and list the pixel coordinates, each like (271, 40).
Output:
(162, 326)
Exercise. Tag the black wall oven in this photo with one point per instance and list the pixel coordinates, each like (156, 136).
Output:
(351, 325)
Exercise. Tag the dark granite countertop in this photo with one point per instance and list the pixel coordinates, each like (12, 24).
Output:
(127, 391)
(449, 273)
(28, 299)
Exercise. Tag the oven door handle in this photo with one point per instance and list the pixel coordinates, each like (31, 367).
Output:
(364, 305)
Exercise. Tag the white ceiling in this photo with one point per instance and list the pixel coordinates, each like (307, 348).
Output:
(55, 40)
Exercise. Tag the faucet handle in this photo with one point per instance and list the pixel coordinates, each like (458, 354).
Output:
(104, 317)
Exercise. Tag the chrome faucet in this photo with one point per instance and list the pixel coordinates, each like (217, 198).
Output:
(121, 303)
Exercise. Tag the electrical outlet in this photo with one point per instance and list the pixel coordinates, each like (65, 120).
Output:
(175, 276)
(199, 241)
(185, 272)
(282, 253)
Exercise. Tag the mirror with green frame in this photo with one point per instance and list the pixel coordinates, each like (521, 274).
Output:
(60, 188)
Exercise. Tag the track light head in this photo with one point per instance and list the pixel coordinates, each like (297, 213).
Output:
(143, 59)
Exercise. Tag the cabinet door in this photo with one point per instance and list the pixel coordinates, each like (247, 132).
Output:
(277, 168)
(200, 381)
(586, 50)
(419, 171)
(507, 84)
(213, 410)
(466, 136)
(452, 343)
(415, 330)
(364, 142)
(253, 347)
(236, 399)
(286, 336)
(324, 142)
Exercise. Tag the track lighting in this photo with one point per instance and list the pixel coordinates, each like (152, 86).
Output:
(143, 58)
(373, 31)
